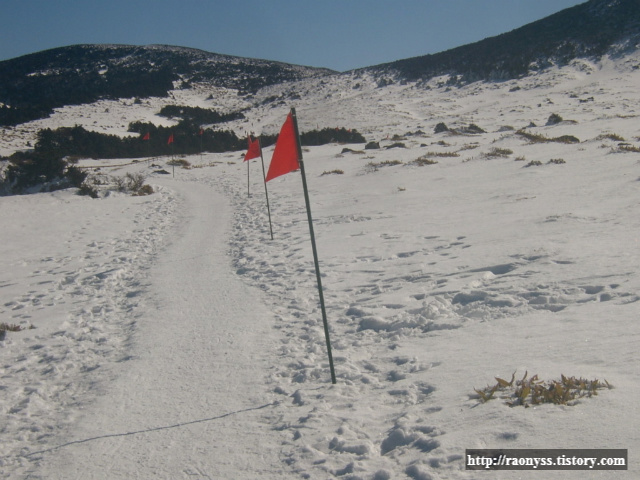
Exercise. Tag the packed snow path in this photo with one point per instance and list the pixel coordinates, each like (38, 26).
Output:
(183, 407)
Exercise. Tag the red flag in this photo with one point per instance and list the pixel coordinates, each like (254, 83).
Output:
(170, 141)
(201, 132)
(285, 156)
(254, 149)
(147, 136)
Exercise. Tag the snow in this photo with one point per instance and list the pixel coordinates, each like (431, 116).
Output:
(174, 339)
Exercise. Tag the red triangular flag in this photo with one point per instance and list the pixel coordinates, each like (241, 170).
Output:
(254, 149)
(285, 156)
(147, 136)
(170, 141)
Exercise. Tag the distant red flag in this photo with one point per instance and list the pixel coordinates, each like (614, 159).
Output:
(147, 136)
(201, 132)
(170, 141)
(254, 149)
(285, 156)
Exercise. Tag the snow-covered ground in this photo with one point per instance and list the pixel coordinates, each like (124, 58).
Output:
(174, 339)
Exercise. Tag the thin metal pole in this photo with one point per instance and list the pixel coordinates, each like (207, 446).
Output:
(313, 247)
(266, 193)
(248, 191)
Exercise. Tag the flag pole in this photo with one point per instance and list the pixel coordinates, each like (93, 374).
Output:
(313, 245)
(248, 190)
(173, 163)
(266, 193)
(201, 133)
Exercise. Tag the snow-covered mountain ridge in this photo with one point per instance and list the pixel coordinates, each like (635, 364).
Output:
(356, 100)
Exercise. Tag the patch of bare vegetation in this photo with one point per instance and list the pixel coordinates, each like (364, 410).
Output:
(534, 391)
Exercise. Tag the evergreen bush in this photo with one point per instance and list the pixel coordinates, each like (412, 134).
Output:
(554, 119)
(27, 170)
(440, 128)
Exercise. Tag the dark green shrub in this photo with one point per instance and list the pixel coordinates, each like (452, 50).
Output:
(331, 135)
(144, 190)
(76, 176)
(440, 128)
(88, 190)
(534, 163)
(198, 115)
(567, 139)
(30, 169)
(554, 119)
(472, 129)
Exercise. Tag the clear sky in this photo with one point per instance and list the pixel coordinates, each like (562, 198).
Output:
(338, 34)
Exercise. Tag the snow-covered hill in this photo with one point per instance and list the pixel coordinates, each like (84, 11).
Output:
(173, 339)
(33, 85)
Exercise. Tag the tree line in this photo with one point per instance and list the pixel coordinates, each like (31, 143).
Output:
(48, 161)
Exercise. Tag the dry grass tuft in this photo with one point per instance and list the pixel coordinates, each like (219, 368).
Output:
(610, 136)
(180, 162)
(628, 148)
(533, 391)
(442, 154)
(498, 153)
(424, 161)
(374, 166)
(533, 163)
(10, 327)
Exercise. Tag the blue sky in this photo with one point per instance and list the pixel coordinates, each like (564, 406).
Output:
(338, 34)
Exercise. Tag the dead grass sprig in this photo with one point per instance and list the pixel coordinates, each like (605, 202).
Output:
(10, 327)
(610, 136)
(533, 163)
(537, 138)
(373, 166)
(470, 146)
(628, 148)
(180, 162)
(442, 154)
(424, 161)
(498, 153)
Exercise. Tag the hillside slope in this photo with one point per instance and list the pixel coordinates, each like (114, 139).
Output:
(589, 30)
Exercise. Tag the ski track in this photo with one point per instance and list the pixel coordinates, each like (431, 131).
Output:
(193, 382)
